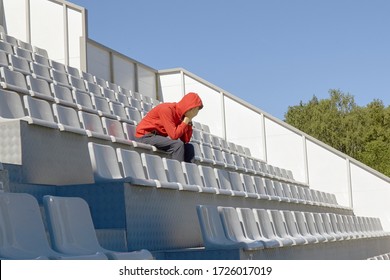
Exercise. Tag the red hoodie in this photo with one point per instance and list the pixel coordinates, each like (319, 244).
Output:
(167, 119)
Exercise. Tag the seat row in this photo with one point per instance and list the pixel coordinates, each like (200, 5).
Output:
(47, 84)
(381, 257)
(4, 37)
(254, 229)
(40, 61)
(214, 150)
(283, 188)
(216, 156)
(152, 170)
(71, 230)
(206, 138)
(41, 112)
(64, 96)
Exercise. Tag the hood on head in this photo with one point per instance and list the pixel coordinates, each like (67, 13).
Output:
(189, 101)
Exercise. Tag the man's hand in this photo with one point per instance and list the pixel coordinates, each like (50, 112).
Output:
(192, 113)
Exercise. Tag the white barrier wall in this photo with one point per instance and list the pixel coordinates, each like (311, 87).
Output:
(15, 18)
(60, 28)
(211, 113)
(285, 149)
(370, 195)
(125, 73)
(75, 21)
(172, 84)
(117, 68)
(328, 171)
(47, 28)
(147, 81)
(98, 62)
(244, 127)
(55, 26)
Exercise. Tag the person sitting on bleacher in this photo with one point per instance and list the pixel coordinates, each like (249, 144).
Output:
(168, 127)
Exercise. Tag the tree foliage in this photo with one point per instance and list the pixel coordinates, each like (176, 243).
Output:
(360, 132)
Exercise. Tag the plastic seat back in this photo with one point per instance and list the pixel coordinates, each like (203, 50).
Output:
(155, 171)
(113, 127)
(93, 124)
(39, 88)
(66, 116)
(131, 164)
(223, 179)
(279, 224)
(22, 231)
(70, 225)
(212, 230)
(234, 231)
(104, 162)
(248, 183)
(13, 80)
(133, 114)
(250, 226)
(11, 106)
(192, 174)
(265, 224)
(19, 64)
(174, 170)
(154, 167)
(40, 111)
(236, 182)
(208, 177)
(291, 223)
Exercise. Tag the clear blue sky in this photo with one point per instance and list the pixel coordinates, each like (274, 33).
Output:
(271, 53)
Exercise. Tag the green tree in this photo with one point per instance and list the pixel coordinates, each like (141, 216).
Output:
(360, 132)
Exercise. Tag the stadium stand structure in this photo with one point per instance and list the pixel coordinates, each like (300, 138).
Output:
(68, 150)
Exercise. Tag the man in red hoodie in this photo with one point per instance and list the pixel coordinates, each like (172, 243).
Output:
(168, 127)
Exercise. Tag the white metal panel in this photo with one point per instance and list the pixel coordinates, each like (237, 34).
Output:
(211, 114)
(147, 82)
(47, 28)
(75, 31)
(124, 73)
(171, 88)
(243, 126)
(98, 61)
(15, 18)
(328, 172)
(285, 149)
(371, 195)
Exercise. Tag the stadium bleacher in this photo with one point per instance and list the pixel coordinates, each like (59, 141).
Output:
(68, 149)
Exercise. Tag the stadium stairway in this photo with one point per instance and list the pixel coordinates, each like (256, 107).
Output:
(68, 136)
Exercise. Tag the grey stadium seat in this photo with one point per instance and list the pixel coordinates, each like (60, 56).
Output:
(212, 229)
(154, 168)
(252, 229)
(72, 231)
(23, 232)
(233, 229)
(175, 173)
